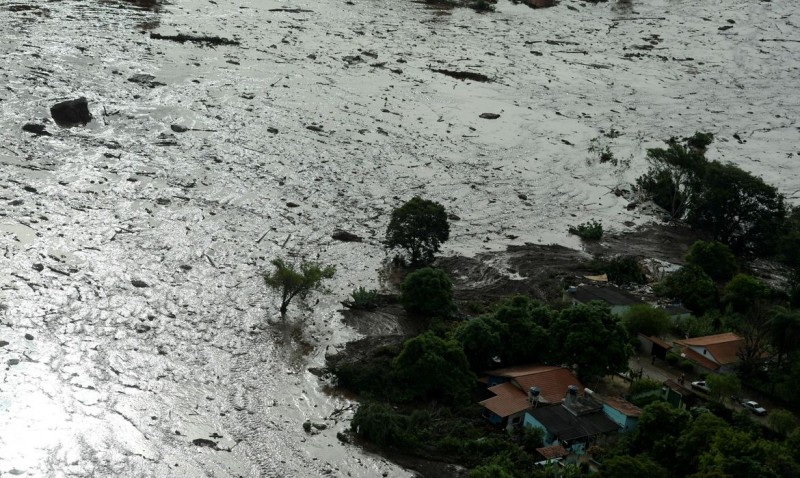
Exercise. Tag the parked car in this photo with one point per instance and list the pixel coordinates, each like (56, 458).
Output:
(701, 385)
(754, 407)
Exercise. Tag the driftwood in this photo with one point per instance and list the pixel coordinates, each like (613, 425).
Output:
(463, 75)
(183, 38)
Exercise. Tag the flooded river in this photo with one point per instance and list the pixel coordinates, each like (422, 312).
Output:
(136, 335)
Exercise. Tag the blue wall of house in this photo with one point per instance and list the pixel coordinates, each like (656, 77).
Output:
(627, 423)
(529, 421)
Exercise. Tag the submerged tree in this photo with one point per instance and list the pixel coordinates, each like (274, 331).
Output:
(292, 283)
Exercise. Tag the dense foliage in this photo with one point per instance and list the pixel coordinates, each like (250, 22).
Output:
(730, 204)
(645, 319)
(420, 227)
(715, 258)
(429, 293)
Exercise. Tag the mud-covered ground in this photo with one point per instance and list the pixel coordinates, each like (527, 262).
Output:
(137, 338)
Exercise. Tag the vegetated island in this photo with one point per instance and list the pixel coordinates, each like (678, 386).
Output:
(629, 358)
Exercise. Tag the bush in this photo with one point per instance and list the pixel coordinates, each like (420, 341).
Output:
(419, 226)
(620, 270)
(379, 423)
(645, 319)
(428, 292)
(364, 299)
(643, 385)
(692, 286)
(673, 359)
(715, 258)
(686, 366)
(589, 231)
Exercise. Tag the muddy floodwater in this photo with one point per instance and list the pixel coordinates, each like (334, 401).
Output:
(137, 338)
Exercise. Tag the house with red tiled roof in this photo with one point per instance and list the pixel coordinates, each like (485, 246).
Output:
(517, 389)
(713, 353)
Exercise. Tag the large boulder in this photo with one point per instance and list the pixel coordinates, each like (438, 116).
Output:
(71, 112)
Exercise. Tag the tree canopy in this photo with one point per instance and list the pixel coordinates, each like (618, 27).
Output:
(428, 292)
(291, 282)
(715, 258)
(589, 337)
(420, 227)
(692, 286)
(645, 319)
(434, 368)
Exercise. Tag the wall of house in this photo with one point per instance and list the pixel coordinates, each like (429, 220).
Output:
(529, 421)
(619, 309)
(619, 418)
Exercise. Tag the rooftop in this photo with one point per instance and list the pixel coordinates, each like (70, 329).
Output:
(724, 348)
(507, 401)
(623, 406)
(566, 426)
(551, 452)
(551, 381)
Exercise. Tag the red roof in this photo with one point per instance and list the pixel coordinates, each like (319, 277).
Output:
(550, 452)
(623, 406)
(551, 381)
(724, 348)
(699, 359)
(507, 401)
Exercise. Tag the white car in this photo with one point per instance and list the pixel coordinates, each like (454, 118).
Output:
(701, 385)
(754, 407)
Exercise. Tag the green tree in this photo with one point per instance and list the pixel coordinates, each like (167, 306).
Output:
(524, 335)
(692, 286)
(695, 440)
(482, 341)
(645, 319)
(419, 226)
(591, 338)
(493, 470)
(430, 367)
(723, 385)
(671, 178)
(715, 258)
(658, 430)
(623, 466)
(782, 421)
(737, 454)
(785, 330)
(738, 209)
(379, 423)
(291, 283)
(428, 292)
(749, 306)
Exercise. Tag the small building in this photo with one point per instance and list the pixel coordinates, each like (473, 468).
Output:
(712, 353)
(517, 389)
(677, 395)
(551, 454)
(622, 412)
(677, 312)
(654, 346)
(575, 424)
(619, 300)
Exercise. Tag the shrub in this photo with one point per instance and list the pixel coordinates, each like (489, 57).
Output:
(364, 299)
(589, 231)
(699, 140)
(428, 292)
(645, 319)
(419, 226)
(379, 423)
(686, 366)
(644, 385)
(673, 359)
(620, 270)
